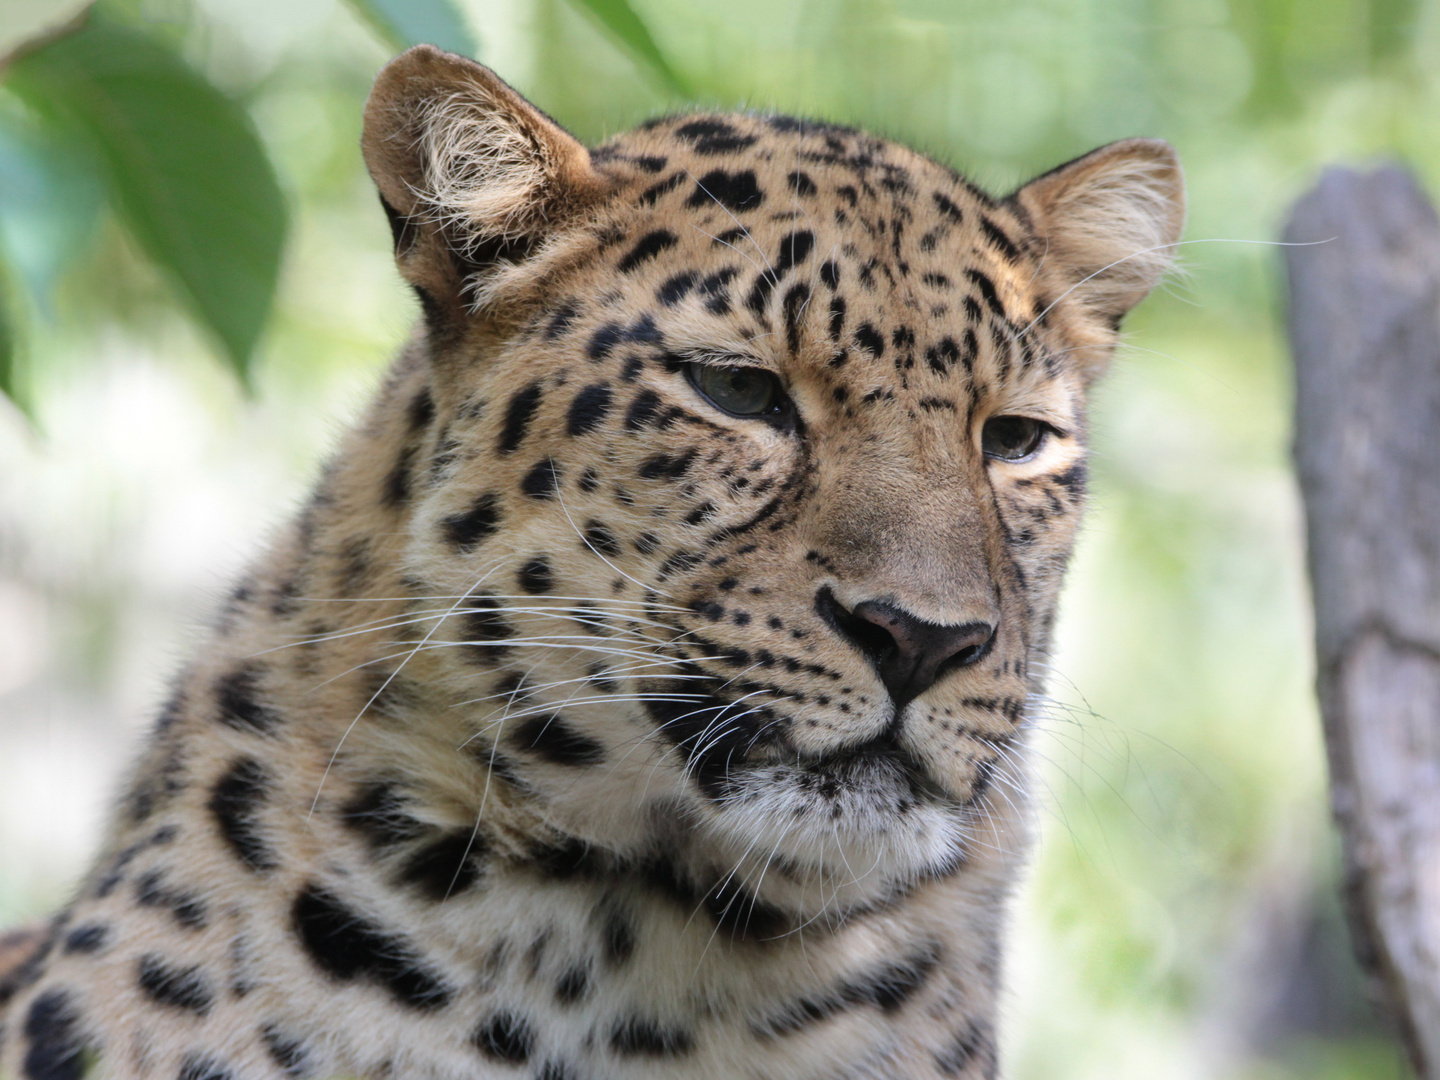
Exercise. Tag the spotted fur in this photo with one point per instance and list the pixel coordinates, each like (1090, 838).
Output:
(579, 727)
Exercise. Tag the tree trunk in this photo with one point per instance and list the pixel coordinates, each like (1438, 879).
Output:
(1365, 330)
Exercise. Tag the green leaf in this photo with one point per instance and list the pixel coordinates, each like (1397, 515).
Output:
(187, 174)
(402, 23)
(50, 200)
(620, 20)
(10, 382)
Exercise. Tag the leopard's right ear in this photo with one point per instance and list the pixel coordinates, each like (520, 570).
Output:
(471, 175)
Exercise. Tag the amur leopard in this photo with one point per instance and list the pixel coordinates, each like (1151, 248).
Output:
(643, 690)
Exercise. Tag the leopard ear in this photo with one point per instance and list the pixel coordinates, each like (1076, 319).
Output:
(1108, 222)
(471, 175)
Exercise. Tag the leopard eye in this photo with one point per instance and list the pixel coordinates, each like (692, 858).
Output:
(741, 391)
(1012, 438)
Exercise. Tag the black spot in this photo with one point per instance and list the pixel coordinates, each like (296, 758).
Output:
(970, 350)
(682, 562)
(56, 1048)
(701, 514)
(535, 577)
(646, 248)
(184, 988)
(675, 289)
(589, 481)
(604, 340)
(349, 947)
(395, 491)
(484, 621)
(542, 480)
(837, 317)
(445, 866)
(466, 530)
(714, 137)
(830, 274)
(870, 339)
(886, 987)
(663, 466)
(997, 237)
(649, 162)
(647, 543)
(573, 985)
(285, 1050)
(948, 208)
(642, 410)
(1073, 478)
(715, 287)
(974, 1044)
(377, 812)
(421, 410)
(505, 1037)
(237, 695)
(200, 1067)
(561, 321)
(568, 859)
(943, 356)
(705, 728)
(619, 938)
(987, 291)
(555, 741)
(794, 249)
(89, 938)
(733, 190)
(801, 185)
(556, 1070)
(639, 1036)
(651, 195)
(599, 538)
(518, 414)
(589, 409)
(235, 803)
(189, 910)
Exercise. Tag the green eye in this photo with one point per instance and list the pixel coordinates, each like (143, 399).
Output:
(1012, 438)
(742, 391)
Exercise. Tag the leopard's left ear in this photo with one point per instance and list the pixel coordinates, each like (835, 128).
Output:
(471, 175)
(1108, 222)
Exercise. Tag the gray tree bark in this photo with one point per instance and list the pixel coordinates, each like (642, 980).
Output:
(1365, 331)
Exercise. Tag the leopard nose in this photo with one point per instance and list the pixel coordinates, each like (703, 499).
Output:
(909, 653)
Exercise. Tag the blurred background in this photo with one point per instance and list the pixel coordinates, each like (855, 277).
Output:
(1181, 920)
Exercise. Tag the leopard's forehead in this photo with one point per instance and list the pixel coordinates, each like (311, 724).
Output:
(818, 206)
(874, 276)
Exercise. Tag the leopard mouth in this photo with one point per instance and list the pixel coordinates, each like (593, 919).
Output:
(879, 767)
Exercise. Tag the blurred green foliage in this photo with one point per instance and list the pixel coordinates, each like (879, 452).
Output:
(108, 106)
(1181, 920)
(180, 161)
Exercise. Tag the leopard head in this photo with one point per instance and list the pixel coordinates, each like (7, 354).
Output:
(755, 452)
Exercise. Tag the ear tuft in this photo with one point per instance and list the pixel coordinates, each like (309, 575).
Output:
(469, 172)
(1109, 222)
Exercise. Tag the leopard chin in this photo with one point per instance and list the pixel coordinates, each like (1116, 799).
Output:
(863, 824)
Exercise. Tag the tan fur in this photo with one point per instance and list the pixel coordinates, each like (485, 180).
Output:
(536, 746)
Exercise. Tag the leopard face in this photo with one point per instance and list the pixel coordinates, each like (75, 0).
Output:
(747, 470)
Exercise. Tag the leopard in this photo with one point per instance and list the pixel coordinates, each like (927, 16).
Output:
(647, 687)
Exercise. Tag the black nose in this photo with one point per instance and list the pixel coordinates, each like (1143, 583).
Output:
(909, 653)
